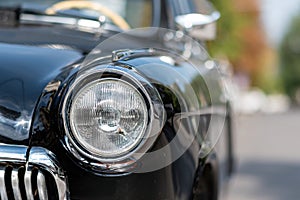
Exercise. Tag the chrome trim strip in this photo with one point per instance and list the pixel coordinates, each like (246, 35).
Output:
(10, 153)
(48, 19)
(212, 110)
(27, 182)
(15, 184)
(65, 21)
(3, 192)
(41, 185)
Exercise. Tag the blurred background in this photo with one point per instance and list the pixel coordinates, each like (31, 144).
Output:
(259, 41)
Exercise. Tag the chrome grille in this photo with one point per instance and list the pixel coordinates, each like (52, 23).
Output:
(2, 184)
(17, 183)
(37, 177)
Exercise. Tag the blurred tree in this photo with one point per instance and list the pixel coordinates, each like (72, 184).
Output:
(228, 42)
(290, 60)
(240, 37)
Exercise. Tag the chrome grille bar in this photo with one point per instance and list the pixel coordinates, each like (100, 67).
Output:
(15, 184)
(15, 180)
(3, 192)
(23, 177)
(28, 186)
(42, 188)
(42, 157)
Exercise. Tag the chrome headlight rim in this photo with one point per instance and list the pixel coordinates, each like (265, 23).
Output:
(92, 150)
(151, 99)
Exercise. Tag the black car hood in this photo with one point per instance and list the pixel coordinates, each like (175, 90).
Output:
(25, 71)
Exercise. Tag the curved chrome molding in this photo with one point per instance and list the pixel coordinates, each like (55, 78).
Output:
(45, 159)
(13, 158)
(157, 117)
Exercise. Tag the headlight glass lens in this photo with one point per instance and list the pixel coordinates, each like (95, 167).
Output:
(108, 117)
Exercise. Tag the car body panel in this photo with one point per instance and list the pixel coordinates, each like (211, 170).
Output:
(25, 71)
(38, 63)
(175, 181)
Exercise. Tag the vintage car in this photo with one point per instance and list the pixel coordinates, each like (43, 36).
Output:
(94, 106)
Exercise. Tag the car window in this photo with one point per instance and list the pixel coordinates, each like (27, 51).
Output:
(137, 13)
(194, 6)
(202, 6)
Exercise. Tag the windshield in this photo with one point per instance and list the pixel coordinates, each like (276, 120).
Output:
(136, 13)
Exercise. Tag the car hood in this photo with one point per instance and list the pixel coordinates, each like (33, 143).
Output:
(24, 73)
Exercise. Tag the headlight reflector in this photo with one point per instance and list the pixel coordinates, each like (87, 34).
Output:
(108, 117)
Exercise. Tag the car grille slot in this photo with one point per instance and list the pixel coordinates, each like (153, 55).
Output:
(15, 183)
(3, 192)
(23, 183)
(41, 186)
(28, 185)
(32, 175)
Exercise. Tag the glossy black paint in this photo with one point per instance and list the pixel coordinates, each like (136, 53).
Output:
(166, 183)
(37, 65)
(25, 71)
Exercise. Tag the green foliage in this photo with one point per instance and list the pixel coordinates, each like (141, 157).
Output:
(269, 82)
(242, 41)
(229, 38)
(290, 58)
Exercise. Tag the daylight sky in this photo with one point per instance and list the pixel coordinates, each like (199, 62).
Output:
(276, 16)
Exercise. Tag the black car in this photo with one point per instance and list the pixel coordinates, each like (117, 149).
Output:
(94, 105)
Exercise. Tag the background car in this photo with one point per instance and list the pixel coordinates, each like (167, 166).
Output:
(136, 117)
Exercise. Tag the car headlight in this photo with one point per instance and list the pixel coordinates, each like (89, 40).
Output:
(108, 117)
(112, 116)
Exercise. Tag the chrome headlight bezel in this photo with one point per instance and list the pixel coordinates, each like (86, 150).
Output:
(107, 155)
(154, 123)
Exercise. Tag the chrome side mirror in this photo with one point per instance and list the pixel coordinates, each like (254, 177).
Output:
(199, 26)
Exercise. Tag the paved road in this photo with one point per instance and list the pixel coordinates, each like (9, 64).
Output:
(268, 157)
